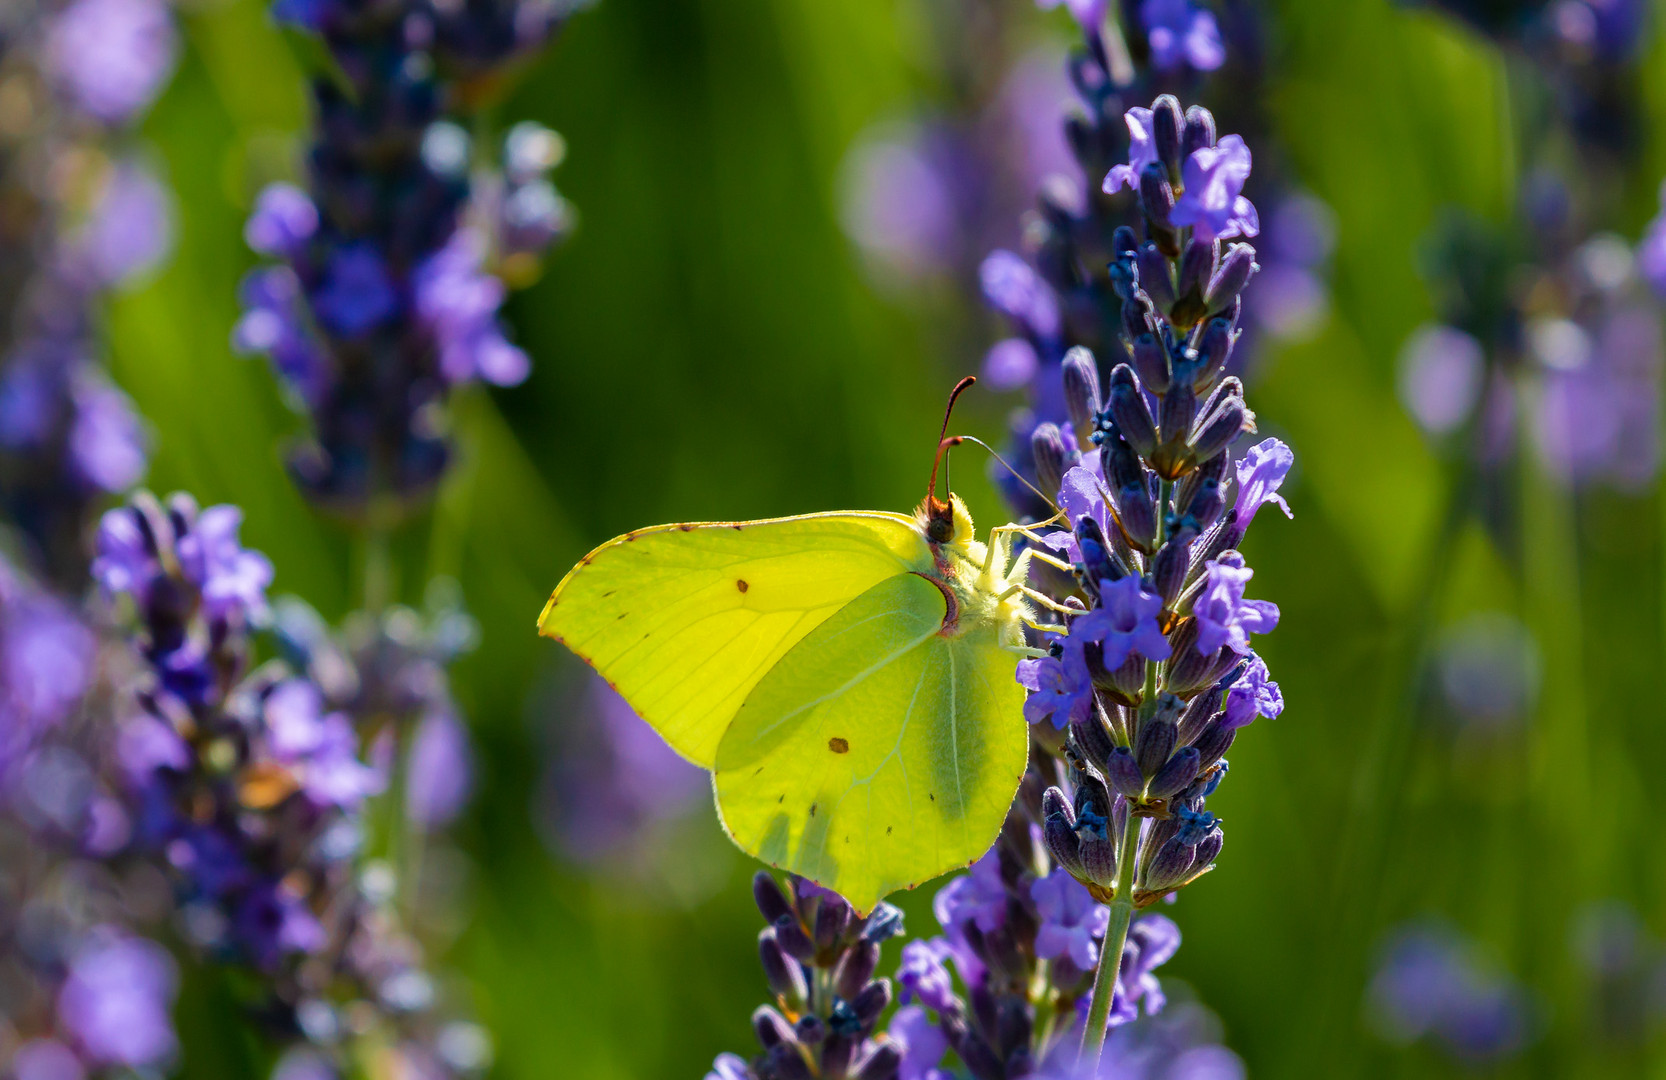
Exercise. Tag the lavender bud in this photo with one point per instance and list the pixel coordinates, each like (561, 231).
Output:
(1169, 867)
(883, 1062)
(1166, 123)
(1123, 774)
(1127, 410)
(1168, 569)
(1097, 562)
(785, 977)
(1081, 389)
(810, 1029)
(1213, 743)
(1012, 1024)
(1231, 277)
(1213, 351)
(1133, 320)
(1154, 277)
(785, 1062)
(832, 918)
(1151, 361)
(771, 1027)
(982, 1061)
(1174, 776)
(1219, 430)
(1190, 670)
(1197, 264)
(1208, 849)
(1092, 741)
(1052, 456)
(855, 968)
(794, 941)
(871, 1000)
(1153, 744)
(1059, 830)
(772, 902)
(1201, 710)
(1156, 196)
(1199, 132)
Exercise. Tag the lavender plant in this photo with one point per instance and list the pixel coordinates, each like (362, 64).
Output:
(86, 214)
(383, 296)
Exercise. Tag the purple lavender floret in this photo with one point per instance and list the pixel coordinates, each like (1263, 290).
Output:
(1182, 34)
(117, 999)
(1072, 923)
(1224, 617)
(1213, 203)
(112, 57)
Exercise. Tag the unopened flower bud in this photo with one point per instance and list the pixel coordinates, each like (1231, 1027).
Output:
(1123, 774)
(833, 915)
(785, 977)
(1214, 349)
(1199, 131)
(871, 1000)
(1169, 868)
(1201, 710)
(1208, 849)
(1081, 389)
(1179, 771)
(772, 902)
(793, 938)
(771, 1027)
(1230, 277)
(1058, 829)
(1153, 744)
(1052, 456)
(810, 1029)
(1156, 196)
(1098, 564)
(1133, 320)
(1213, 743)
(1221, 428)
(882, 1062)
(883, 923)
(1092, 741)
(1127, 410)
(855, 968)
(1151, 362)
(1154, 277)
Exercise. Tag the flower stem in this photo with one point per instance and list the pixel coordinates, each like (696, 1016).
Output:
(1110, 953)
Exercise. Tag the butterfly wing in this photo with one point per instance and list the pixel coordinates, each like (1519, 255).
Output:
(878, 752)
(683, 620)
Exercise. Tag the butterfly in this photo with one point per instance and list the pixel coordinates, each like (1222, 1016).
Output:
(847, 678)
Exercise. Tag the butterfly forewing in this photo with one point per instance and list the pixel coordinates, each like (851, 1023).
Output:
(683, 620)
(878, 752)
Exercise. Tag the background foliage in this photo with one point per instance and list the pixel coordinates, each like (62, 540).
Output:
(707, 346)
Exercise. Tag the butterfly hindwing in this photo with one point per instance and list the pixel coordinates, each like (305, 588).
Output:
(877, 752)
(684, 620)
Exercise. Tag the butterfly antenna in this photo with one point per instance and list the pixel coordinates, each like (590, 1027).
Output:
(1020, 477)
(937, 509)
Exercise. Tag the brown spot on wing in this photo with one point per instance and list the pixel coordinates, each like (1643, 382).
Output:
(838, 745)
(740, 583)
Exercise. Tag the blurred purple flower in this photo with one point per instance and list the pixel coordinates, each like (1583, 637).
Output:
(1152, 942)
(900, 204)
(273, 322)
(1072, 923)
(1182, 35)
(923, 974)
(107, 443)
(47, 659)
(459, 302)
(440, 775)
(46, 1059)
(129, 230)
(1441, 369)
(284, 219)
(1599, 413)
(1010, 364)
(978, 897)
(923, 1044)
(112, 56)
(1012, 287)
(231, 577)
(357, 294)
(117, 999)
(1489, 670)
(1427, 984)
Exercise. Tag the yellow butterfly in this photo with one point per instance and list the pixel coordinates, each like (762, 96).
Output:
(847, 677)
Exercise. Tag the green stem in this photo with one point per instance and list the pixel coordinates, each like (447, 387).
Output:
(1110, 954)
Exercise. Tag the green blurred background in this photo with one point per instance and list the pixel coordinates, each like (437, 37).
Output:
(708, 346)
